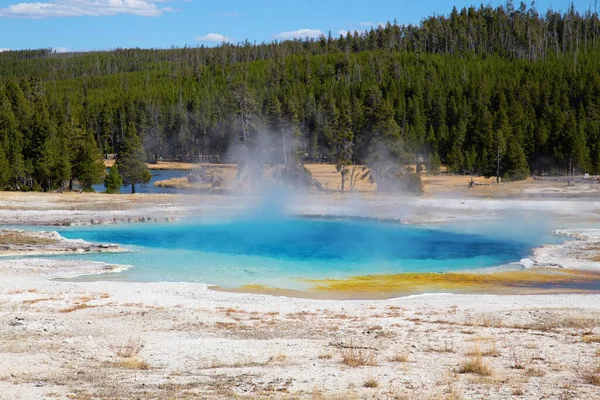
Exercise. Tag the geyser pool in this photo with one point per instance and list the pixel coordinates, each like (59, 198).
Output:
(281, 252)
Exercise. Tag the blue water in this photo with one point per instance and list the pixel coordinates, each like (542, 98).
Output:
(282, 251)
(157, 175)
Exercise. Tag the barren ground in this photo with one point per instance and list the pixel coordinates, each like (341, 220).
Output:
(112, 340)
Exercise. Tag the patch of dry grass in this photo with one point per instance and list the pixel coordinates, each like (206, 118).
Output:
(447, 348)
(244, 363)
(591, 338)
(553, 322)
(516, 358)
(17, 238)
(592, 377)
(128, 350)
(534, 372)
(133, 363)
(75, 308)
(34, 301)
(278, 359)
(129, 355)
(488, 349)
(356, 357)
(371, 383)
(399, 357)
(490, 321)
(475, 365)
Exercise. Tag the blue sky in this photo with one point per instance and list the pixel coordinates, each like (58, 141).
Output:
(81, 25)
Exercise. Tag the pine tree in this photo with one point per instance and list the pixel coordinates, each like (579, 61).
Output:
(113, 180)
(435, 163)
(88, 167)
(131, 159)
(5, 172)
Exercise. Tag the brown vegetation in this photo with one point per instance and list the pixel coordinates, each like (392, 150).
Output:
(475, 365)
(358, 357)
(23, 238)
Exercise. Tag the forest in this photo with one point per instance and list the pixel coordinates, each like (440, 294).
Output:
(502, 91)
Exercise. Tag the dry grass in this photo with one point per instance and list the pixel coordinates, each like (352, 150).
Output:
(475, 365)
(399, 357)
(591, 338)
(490, 321)
(75, 308)
(129, 350)
(133, 363)
(554, 322)
(34, 301)
(447, 348)
(516, 359)
(452, 393)
(371, 383)
(278, 359)
(592, 377)
(24, 238)
(534, 372)
(244, 363)
(326, 356)
(488, 350)
(355, 357)
(129, 356)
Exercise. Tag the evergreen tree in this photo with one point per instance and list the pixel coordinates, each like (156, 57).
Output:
(131, 159)
(88, 167)
(435, 163)
(5, 172)
(113, 181)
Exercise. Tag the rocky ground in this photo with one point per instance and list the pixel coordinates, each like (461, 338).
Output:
(114, 340)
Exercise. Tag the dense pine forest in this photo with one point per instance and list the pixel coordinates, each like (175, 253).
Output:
(486, 91)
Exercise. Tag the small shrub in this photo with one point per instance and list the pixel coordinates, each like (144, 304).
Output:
(371, 383)
(131, 349)
(354, 357)
(534, 372)
(134, 363)
(475, 365)
(399, 357)
(593, 377)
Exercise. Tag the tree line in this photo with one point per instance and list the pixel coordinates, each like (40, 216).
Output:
(486, 91)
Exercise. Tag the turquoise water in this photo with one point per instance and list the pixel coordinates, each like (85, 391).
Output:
(281, 251)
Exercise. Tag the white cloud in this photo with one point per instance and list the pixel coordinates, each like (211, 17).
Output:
(62, 50)
(370, 24)
(231, 14)
(299, 34)
(343, 32)
(2, 49)
(213, 37)
(77, 8)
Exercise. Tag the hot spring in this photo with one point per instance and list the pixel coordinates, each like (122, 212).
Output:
(283, 252)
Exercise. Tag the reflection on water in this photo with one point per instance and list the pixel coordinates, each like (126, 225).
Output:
(157, 175)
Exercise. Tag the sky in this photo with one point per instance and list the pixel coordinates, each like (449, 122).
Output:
(85, 25)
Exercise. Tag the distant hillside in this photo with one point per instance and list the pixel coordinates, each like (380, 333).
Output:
(484, 90)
